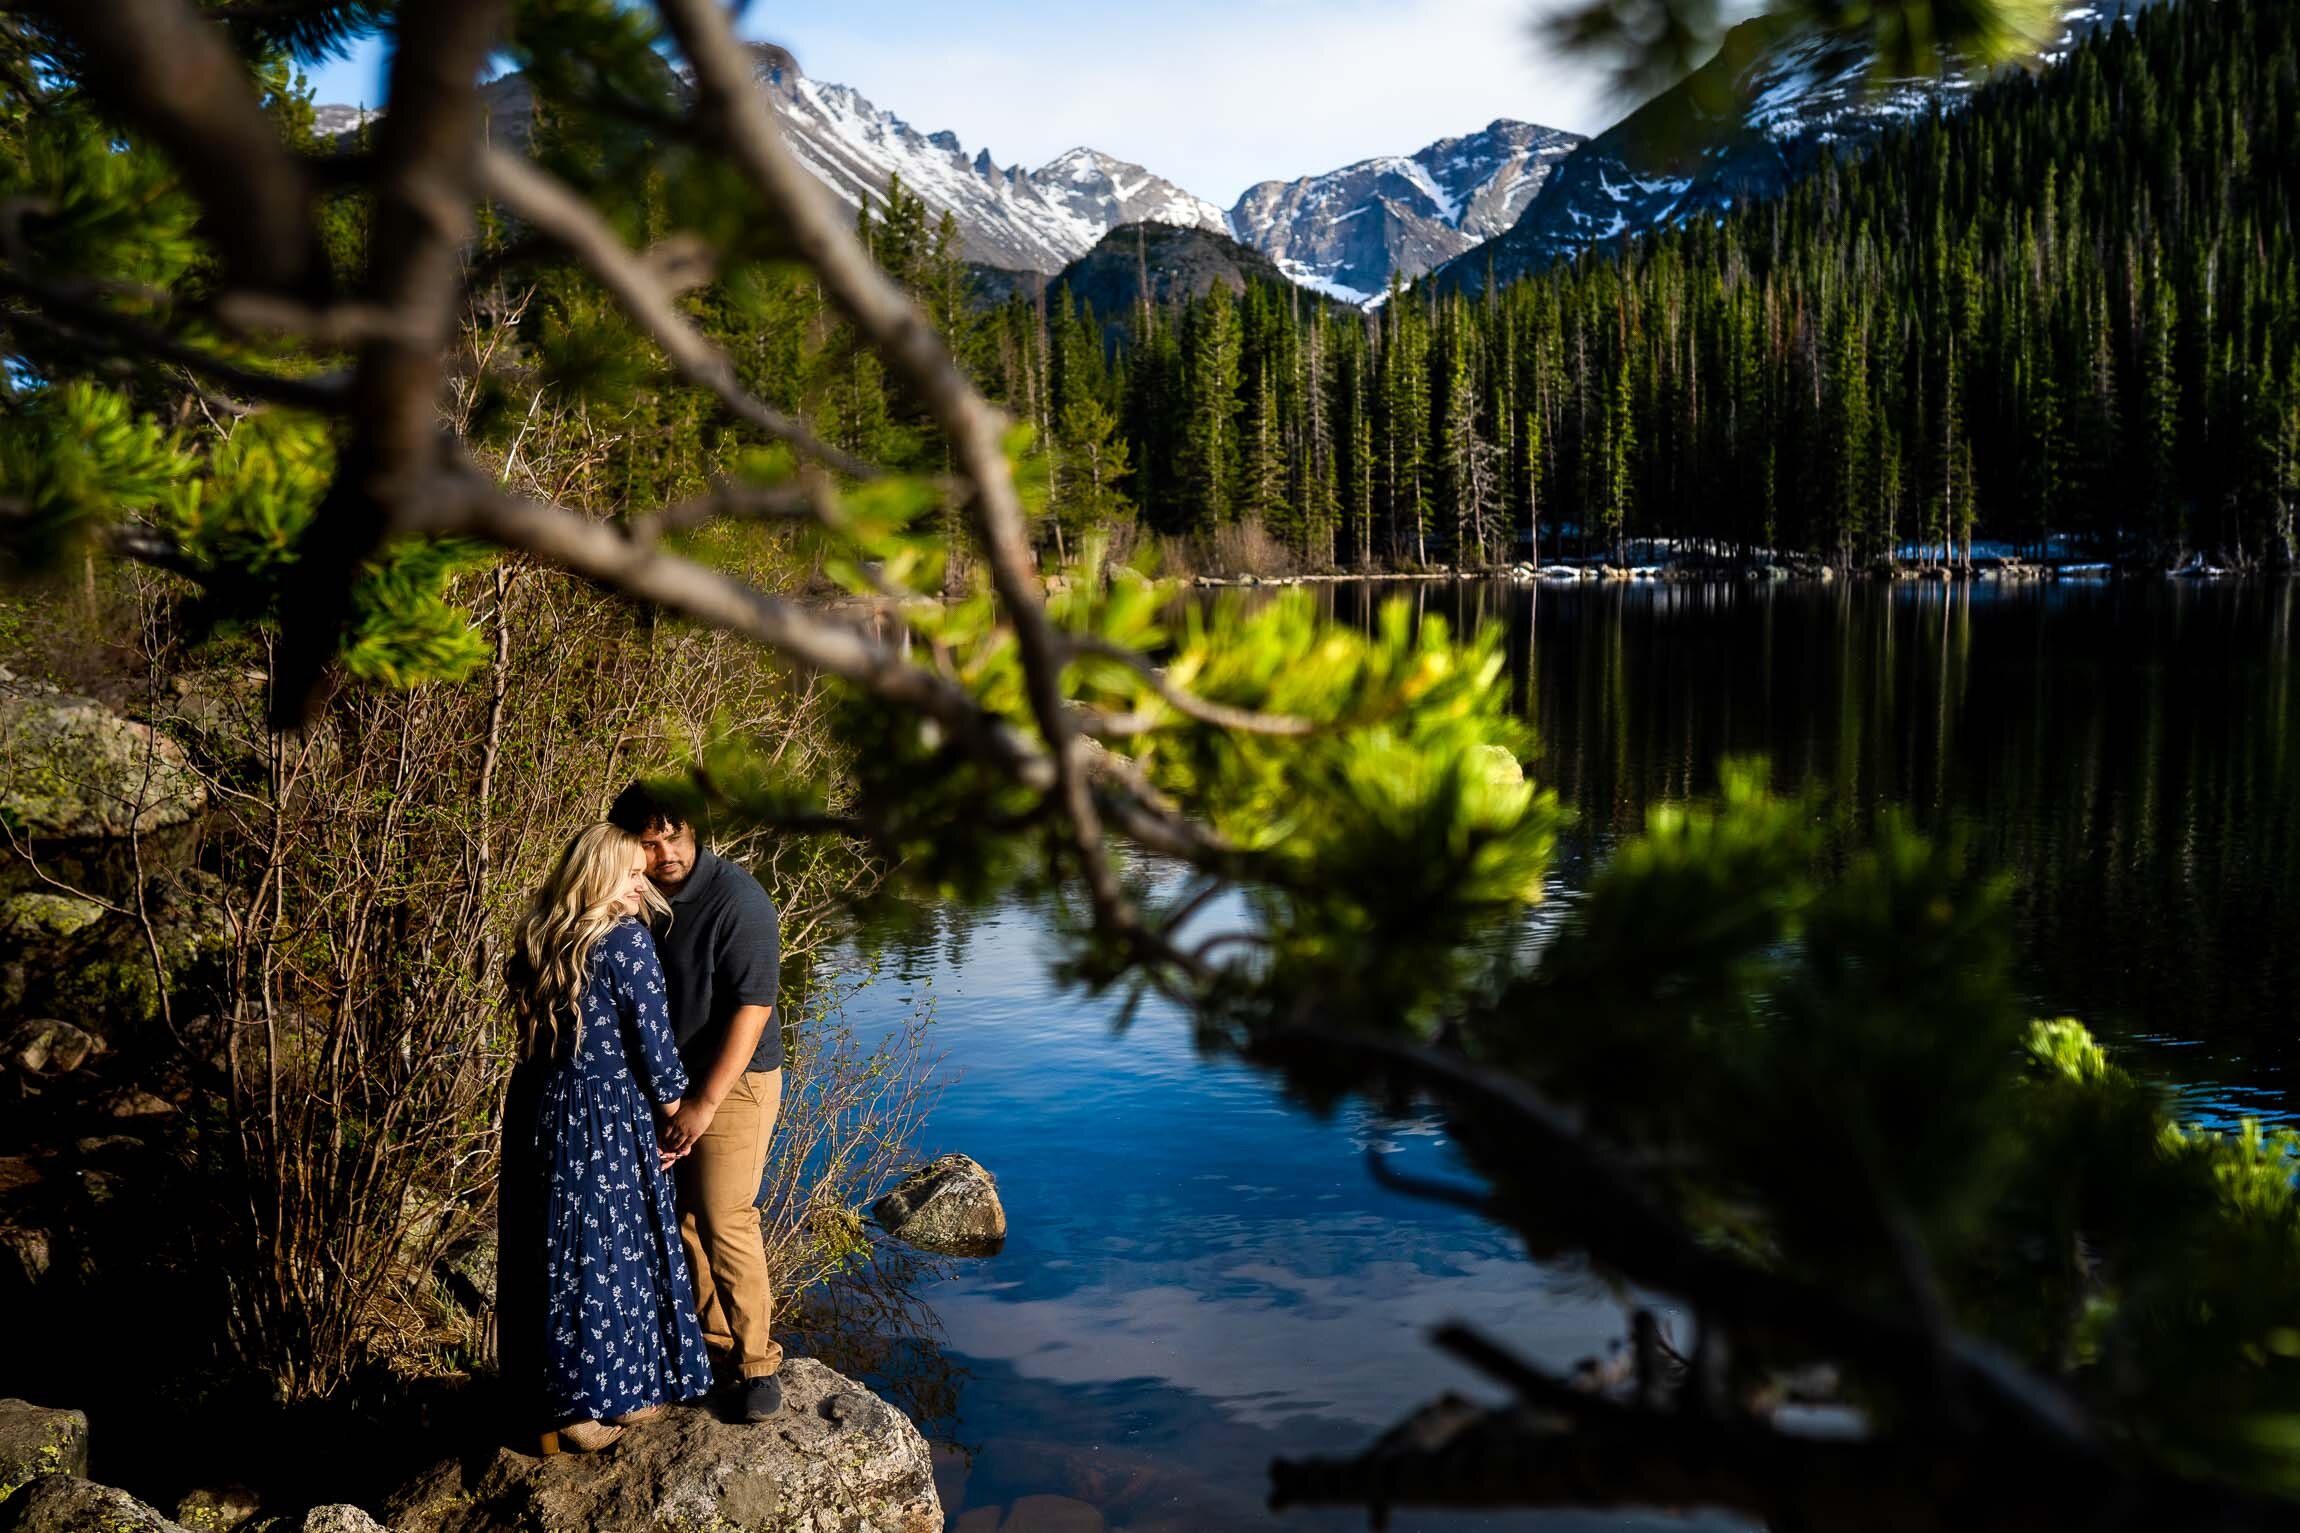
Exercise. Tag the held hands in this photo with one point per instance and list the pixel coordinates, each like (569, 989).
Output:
(684, 1123)
(666, 1114)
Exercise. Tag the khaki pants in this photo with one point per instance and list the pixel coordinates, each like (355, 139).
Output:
(719, 1223)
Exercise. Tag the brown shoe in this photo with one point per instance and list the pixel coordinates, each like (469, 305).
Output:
(633, 1418)
(588, 1436)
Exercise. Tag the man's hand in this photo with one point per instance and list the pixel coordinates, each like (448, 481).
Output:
(684, 1123)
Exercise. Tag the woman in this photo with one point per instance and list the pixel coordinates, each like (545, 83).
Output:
(589, 1237)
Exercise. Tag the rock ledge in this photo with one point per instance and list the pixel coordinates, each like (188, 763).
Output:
(837, 1460)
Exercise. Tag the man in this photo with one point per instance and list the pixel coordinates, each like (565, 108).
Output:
(721, 952)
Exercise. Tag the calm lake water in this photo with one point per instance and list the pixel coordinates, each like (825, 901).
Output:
(1202, 1276)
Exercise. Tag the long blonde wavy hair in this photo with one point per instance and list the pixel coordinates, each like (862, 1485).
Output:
(551, 946)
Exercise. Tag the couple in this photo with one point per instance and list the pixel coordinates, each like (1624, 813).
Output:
(642, 984)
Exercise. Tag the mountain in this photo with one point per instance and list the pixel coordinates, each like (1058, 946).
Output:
(1346, 232)
(1175, 262)
(1769, 105)
(1022, 220)
(336, 121)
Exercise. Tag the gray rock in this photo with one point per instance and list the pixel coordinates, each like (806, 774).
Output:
(949, 1204)
(45, 1046)
(32, 1252)
(65, 1503)
(69, 766)
(35, 1441)
(38, 915)
(837, 1460)
(135, 1102)
(217, 1509)
(467, 1271)
(219, 703)
(340, 1518)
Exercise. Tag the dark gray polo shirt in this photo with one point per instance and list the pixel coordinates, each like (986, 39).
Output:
(722, 949)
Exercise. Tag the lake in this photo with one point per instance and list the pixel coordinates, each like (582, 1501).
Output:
(1201, 1275)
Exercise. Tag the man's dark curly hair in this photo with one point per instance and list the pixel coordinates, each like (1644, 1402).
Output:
(646, 806)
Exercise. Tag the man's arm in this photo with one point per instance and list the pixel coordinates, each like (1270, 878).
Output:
(693, 1117)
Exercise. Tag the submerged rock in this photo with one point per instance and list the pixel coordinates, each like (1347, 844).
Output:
(65, 1503)
(949, 1204)
(35, 1441)
(837, 1460)
(69, 766)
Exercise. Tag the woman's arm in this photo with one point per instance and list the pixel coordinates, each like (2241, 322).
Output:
(646, 1005)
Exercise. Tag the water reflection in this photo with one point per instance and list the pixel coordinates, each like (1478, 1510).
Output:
(2124, 750)
(1200, 1275)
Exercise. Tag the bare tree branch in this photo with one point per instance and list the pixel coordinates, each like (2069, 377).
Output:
(800, 501)
(468, 505)
(640, 286)
(731, 106)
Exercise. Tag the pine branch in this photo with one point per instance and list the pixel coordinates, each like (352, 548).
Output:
(426, 183)
(71, 320)
(159, 66)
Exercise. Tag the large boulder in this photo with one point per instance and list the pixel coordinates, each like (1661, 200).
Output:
(40, 915)
(950, 1204)
(837, 1460)
(69, 766)
(65, 1503)
(35, 1441)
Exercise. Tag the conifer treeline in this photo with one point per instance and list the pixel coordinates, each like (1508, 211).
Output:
(2068, 309)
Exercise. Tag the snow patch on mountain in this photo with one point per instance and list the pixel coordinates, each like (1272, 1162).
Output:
(1747, 124)
(1024, 220)
(1347, 232)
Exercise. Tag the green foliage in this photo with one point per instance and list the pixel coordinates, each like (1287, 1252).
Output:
(73, 457)
(405, 630)
(586, 350)
(92, 210)
(261, 486)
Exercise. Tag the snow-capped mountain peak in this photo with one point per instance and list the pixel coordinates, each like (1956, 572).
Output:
(1024, 220)
(1347, 231)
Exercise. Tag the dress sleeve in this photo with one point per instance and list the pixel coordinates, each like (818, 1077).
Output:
(646, 1005)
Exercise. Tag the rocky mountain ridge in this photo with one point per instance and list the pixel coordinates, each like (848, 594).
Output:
(1347, 232)
(1769, 105)
(1010, 217)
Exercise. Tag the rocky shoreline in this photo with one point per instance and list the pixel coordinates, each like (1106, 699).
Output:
(838, 1459)
(1982, 567)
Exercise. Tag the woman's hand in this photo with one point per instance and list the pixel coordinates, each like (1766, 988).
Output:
(685, 1123)
(665, 1156)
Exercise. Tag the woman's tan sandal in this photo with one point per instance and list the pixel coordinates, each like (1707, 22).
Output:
(633, 1418)
(588, 1436)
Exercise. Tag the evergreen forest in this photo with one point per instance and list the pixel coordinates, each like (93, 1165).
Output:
(2067, 312)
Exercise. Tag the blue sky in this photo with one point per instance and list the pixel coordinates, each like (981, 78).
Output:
(1213, 94)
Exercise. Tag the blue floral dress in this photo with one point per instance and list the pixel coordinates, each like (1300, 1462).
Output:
(618, 1326)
